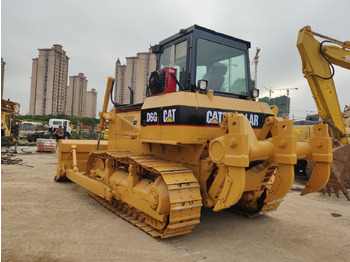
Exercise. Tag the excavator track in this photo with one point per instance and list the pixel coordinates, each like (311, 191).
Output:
(183, 188)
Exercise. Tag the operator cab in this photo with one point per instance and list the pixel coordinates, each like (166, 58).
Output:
(202, 59)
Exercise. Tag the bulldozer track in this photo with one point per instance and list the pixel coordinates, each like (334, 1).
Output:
(183, 188)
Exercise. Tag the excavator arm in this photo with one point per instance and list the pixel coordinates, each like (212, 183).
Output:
(317, 61)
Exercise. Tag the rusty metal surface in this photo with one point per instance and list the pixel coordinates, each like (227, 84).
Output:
(340, 172)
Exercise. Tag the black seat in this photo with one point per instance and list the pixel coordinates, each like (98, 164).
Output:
(216, 77)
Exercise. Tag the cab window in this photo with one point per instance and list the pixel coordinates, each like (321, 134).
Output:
(175, 56)
(224, 67)
(27, 126)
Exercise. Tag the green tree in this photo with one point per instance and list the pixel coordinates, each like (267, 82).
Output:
(75, 120)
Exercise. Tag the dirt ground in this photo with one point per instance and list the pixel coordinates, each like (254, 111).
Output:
(42, 220)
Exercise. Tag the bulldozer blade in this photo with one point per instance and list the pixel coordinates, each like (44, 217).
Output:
(233, 188)
(319, 178)
(65, 155)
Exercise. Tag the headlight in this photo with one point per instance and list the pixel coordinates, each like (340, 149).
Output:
(255, 93)
(202, 85)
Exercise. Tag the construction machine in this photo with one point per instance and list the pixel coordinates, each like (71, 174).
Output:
(317, 66)
(9, 123)
(199, 139)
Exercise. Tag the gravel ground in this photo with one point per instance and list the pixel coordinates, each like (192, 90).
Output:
(47, 221)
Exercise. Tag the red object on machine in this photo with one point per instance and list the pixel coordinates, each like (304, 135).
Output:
(163, 81)
(170, 82)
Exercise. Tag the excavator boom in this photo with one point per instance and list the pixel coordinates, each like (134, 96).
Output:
(317, 59)
(317, 66)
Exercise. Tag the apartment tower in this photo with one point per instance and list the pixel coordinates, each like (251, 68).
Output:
(119, 85)
(91, 103)
(146, 64)
(132, 78)
(49, 82)
(76, 95)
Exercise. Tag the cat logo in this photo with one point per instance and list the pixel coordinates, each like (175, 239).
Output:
(253, 119)
(169, 115)
(214, 117)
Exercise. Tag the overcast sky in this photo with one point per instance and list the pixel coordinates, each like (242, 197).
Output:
(96, 33)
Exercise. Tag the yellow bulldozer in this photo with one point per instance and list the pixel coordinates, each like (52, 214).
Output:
(199, 139)
(317, 66)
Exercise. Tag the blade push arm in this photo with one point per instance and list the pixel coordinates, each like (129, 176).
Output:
(104, 114)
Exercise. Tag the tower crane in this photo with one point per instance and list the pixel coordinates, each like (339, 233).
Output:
(270, 91)
(287, 89)
(255, 61)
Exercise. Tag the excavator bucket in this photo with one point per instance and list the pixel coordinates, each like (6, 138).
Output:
(340, 172)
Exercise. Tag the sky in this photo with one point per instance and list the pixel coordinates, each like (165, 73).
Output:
(95, 34)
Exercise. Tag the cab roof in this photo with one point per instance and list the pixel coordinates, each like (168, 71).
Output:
(204, 32)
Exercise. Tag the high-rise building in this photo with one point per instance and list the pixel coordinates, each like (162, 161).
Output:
(49, 82)
(2, 76)
(119, 85)
(91, 103)
(132, 78)
(146, 64)
(76, 95)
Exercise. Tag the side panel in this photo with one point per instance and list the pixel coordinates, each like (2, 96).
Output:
(194, 117)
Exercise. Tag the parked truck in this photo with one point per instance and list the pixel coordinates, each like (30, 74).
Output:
(64, 123)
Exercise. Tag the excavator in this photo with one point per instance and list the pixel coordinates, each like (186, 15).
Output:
(9, 123)
(317, 66)
(200, 139)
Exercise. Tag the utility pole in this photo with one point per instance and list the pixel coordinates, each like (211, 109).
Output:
(131, 95)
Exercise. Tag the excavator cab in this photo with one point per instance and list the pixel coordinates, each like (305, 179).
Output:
(205, 60)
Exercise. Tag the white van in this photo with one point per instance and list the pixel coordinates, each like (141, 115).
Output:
(55, 123)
